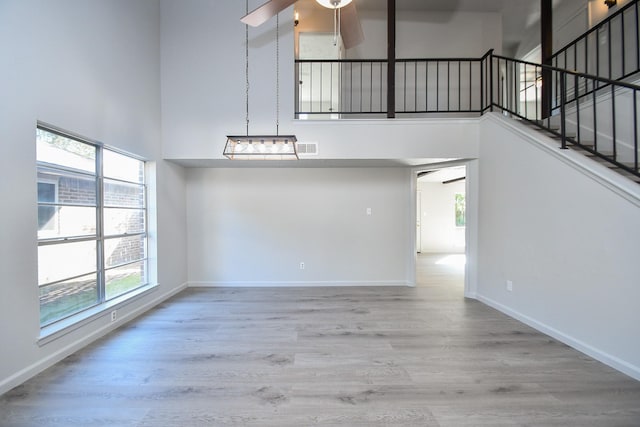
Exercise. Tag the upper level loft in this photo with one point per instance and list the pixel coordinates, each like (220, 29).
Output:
(582, 95)
(416, 79)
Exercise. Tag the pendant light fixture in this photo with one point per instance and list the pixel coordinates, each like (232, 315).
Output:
(261, 147)
(336, 5)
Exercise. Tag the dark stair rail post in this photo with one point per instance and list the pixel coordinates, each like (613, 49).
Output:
(546, 46)
(391, 59)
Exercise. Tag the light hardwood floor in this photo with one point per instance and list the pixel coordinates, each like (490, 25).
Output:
(377, 356)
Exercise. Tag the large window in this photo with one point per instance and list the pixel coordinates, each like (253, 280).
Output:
(92, 234)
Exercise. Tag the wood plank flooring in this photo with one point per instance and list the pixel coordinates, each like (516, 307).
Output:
(390, 356)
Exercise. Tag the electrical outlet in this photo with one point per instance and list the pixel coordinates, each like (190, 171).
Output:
(302, 266)
(509, 285)
(368, 211)
(114, 315)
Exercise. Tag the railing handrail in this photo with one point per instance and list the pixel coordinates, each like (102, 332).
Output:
(300, 61)
(604, 80)
(304, 61)
(595, 28)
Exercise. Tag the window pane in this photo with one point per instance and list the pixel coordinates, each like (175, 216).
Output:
(120, 194)
(64, 260)
(122, 250)
(460, 210)
(66, 298)
(122, 167)
(47, 191)
(65, 221)
(59, 150)
(123, 221)
(65, 188)
(123, 279)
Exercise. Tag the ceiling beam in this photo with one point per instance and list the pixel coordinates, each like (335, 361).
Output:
(451, 181)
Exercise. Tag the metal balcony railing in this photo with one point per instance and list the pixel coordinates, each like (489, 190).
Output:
(595, 114)
(359, 87)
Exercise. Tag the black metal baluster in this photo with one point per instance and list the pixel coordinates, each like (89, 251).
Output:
(311, 87)
(437, 85)
(515, 88)
(535, 89)
(491, 83)
(563, 122)
(361, 89)
(577, 100)
(637, 38)
(426, 86)
(635, 130)
(609, 48)
(321, 92)
(351, 87)
(381, 88)
(470, 85)
(459, 87)
(597, 55)
(331, 91)
(371, 87)
(623, 52)
(448, 85)
(415, 86)
(404, 101)
(586, 55)
(613, 122)
(483, 85)
(595, 116)
(526, 108)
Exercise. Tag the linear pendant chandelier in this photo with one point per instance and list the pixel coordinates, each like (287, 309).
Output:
(261, 147)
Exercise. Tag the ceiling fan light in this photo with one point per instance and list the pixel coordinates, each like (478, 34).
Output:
(333, 4)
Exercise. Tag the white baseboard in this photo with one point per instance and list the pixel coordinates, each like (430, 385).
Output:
(602, 356)
(281, 284)
(23, 375)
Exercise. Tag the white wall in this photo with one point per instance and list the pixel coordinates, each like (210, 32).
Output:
(254, 226)
(568, 243)
(91, 67)
(203, 75)
(438, 230)
(430, 34)
(203, 91)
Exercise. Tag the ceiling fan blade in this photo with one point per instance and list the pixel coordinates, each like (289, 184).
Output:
(265, 12)
(350, 27)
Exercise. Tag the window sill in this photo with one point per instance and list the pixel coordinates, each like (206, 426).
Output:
(63, 327)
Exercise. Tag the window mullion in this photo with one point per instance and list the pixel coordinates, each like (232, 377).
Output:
(100, 225)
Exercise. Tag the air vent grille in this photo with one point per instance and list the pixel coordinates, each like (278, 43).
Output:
(307, 148)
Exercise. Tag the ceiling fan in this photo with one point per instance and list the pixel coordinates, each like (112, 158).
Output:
(346, 19)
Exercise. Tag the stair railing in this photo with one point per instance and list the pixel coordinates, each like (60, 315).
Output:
(595, 114)
(610, 49)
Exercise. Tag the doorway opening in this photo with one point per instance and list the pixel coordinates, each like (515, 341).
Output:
(441, 225)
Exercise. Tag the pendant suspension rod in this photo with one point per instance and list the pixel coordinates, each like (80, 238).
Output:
(246, 69)
(277, 74)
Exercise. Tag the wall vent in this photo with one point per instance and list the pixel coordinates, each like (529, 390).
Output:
(307, 148)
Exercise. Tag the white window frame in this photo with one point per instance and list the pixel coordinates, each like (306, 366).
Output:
(51, 329)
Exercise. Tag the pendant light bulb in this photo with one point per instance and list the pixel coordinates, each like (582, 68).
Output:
(333, 4)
